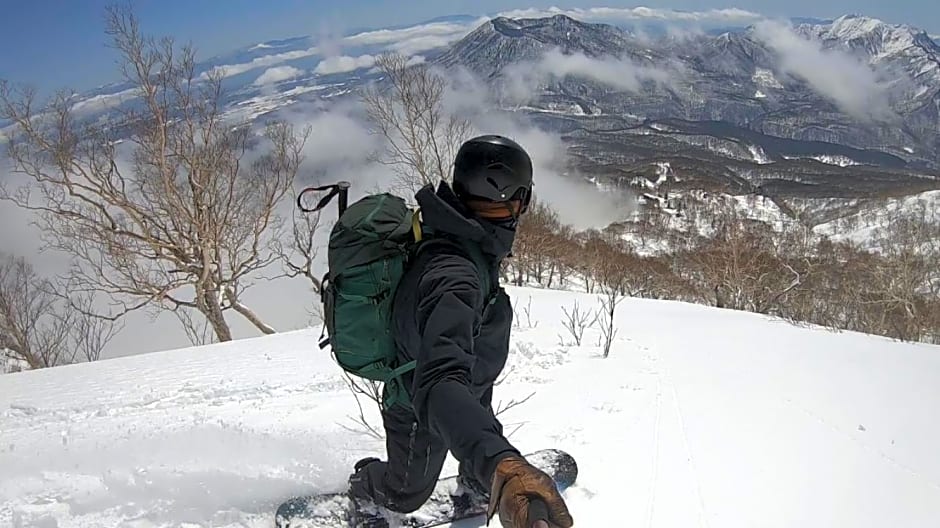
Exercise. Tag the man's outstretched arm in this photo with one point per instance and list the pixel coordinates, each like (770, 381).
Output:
(449, 300)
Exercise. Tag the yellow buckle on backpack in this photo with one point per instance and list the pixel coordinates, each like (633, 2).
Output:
(416, 225)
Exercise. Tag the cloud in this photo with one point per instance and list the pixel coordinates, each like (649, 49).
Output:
(277, 74)
(343, 64)
(229, 70)
(849, 83)
(103, 102)
(619, 73)
(611, 14)
(339, 136)
(415, 39)
(391, 36)
(578, 202)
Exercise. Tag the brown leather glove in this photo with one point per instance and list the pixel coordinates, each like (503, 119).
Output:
(515, 483)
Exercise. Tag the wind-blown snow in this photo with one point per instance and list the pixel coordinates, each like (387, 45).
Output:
(700, 417)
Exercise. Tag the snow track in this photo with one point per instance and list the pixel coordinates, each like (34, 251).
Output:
(699, 417)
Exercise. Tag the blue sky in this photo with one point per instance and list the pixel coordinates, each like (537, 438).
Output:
(61, 43)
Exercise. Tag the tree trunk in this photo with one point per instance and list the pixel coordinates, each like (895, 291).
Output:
(219, 325)
(212, 310)
(248, 314)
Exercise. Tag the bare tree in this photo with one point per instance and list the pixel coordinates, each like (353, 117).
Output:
(407, 110)
(576, 322)
(41, 328)
(536, 247)
(906, 284)
(606, 317)
(188, 218)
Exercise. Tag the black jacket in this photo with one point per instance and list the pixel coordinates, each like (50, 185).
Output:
(460, 341)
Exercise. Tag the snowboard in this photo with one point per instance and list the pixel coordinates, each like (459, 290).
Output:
(446, 505)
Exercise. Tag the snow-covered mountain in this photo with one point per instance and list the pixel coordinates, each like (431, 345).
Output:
(750, 77)
(815, 109)
(768, 78)
(503, 42)
(700, 416)
(899, 50)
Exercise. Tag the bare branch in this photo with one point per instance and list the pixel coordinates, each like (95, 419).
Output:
(500, 408)
(373, 392)
(407, 110)
(576, 322)
(299, 257)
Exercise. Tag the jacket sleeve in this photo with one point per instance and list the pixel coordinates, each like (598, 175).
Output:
(449, 304)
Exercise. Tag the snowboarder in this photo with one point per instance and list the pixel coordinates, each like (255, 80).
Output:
(459, 336)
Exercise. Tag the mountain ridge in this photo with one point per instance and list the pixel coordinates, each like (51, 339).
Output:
(735, 76)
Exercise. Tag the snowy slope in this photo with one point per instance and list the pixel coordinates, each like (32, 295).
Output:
(700, 417)
(868, 221)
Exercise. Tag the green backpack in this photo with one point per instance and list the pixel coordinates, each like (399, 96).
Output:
(370, 247)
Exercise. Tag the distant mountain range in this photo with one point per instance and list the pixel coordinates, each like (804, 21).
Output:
(845, 108)
(751, 78)
(733, 113)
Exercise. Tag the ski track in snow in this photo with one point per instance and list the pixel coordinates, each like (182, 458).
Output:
(699, 417)
(703, 518)
(874, 451)
(654, 462)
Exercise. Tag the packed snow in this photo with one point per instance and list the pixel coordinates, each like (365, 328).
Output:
(700, 416)
(269, 101)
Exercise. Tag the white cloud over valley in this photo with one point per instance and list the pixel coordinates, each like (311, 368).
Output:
(415, 39)
(99, 103)
(278, 74)
(229, 70)
(849, 83)
(618, 73)
(577, 202)
(344, 63)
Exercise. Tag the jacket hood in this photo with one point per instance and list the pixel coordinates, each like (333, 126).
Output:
(443, 212)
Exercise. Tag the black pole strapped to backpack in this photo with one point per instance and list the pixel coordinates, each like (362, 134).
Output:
(340, 189)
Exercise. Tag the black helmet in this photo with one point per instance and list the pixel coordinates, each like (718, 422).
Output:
(493, 168)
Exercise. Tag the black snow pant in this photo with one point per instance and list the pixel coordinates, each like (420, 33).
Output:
(416, 457)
